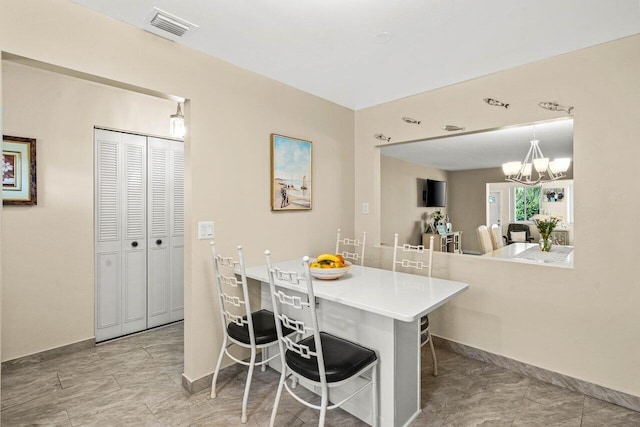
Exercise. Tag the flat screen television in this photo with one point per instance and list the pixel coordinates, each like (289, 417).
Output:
(435, 193)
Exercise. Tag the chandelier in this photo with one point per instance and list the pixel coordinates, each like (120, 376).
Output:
(522, 172)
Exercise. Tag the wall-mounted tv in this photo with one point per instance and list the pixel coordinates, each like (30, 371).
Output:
(435, 193)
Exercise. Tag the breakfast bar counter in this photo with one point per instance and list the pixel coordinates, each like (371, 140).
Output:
(379, 309)
(529, 253)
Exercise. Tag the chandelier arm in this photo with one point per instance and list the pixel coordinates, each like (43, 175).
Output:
(541, 156)
(538, 151)
(518, 177)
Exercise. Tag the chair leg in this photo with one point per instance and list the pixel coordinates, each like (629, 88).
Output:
(433, 354)
(217, 371)
(266, 352)
(374, 395)
(323, 406)
(247, 386)
(277, 401)
(294, 379)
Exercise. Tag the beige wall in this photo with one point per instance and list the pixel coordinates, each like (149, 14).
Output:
(468, 191)
(231, 113)
(400, 196)
(582, 322)
(48, 271)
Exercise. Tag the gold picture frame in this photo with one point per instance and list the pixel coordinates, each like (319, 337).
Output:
(291, 172)
(19, 171)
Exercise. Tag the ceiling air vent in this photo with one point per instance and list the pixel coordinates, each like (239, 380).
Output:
(169, 23)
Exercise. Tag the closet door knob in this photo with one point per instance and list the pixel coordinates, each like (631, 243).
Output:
(134, 244)
(158, 242)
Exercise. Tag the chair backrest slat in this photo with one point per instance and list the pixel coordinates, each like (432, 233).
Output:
(233, 300)
(229, 281)
(353, 256)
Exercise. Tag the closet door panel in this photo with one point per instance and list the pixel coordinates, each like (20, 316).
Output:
(177, 230)
(159, 280)
(120, 233)
(177, 282)
(134, 289)
(158, 291)
(108, 292)
(134, 294)
(108, 235)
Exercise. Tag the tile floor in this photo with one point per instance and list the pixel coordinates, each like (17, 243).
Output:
(136, 381)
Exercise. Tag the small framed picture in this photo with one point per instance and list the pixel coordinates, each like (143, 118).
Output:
(554, 195)
(291, 169)
(442, 229)
(18, 171)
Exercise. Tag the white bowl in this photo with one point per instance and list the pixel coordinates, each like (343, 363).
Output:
(330, 273)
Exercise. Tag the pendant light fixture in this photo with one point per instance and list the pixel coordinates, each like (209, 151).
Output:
(176, 124)
(522, 172)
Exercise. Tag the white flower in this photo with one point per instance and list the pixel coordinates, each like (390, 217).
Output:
(545, 218)
(6, 166)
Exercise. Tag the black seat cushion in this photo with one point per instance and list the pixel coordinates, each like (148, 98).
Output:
(424, 323)
(342, 358)
(264, 327)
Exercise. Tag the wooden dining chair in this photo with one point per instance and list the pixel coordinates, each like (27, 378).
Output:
(321, 359)
(484, 237)
(356, 244)
(405, 250)
(497, 241)
(242, 327)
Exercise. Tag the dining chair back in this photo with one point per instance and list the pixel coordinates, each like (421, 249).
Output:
(321, 359)
(517, 232)
(497, 241)
(484, 237)
(406, 249)
(356, 244)
(242, 327)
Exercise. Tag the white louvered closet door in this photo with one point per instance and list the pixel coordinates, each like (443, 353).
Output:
(139, 189)
(120, 188)
(165, 231)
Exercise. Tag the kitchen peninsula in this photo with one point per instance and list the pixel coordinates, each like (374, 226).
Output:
(379, 309)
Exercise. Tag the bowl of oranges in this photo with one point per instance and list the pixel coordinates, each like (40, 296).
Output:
(329, 267)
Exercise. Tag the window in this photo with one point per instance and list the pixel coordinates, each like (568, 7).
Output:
(526, 203)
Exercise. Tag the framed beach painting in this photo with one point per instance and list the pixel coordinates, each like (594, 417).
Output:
(18, 171)
(291, 167)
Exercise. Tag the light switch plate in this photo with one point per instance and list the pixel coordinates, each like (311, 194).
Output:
(365, 208)
(205, 230)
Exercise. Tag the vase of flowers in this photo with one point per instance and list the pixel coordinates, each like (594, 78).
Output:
(546, 224)
(436, 217)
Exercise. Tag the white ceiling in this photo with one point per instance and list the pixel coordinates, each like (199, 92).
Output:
(334, 48)
(487, 149)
